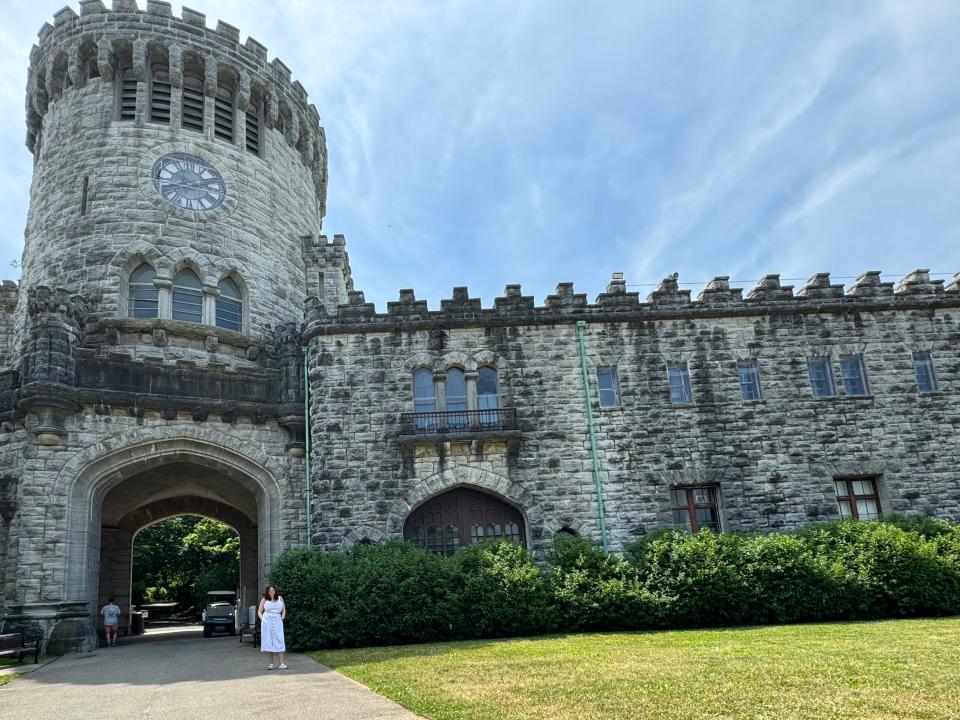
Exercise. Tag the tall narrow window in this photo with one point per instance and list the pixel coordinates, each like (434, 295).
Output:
(229, 306)
(253, 129)
(192, 116)
(456, 396)
(128, 95)
(160, 96)
(142, 293)
(83, 196)
(695, 508)
(223, 114)
(854, 375)
(858, 498)
(609, 386)
(749, 380)
(926, 376)
(680, 391)
(187, 297)
(821, 377)
(488, 397)
(424, 399)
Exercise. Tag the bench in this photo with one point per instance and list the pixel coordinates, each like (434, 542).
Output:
(251, 630)
(19, 645)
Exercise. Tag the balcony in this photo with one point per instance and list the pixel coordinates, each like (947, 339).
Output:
(430, 427)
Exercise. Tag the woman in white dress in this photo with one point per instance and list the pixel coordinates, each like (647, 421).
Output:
(272, 613)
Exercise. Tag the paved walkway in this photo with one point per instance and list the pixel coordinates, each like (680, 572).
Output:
(172, 675)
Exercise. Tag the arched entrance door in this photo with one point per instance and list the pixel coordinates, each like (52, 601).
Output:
(458, 517)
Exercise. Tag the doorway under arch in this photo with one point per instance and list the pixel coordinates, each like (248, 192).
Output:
(462, 516)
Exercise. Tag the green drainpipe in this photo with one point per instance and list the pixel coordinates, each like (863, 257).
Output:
(306, 442)
(593, 438)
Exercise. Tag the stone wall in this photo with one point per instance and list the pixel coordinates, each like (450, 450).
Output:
(773, 460)
(8, 304)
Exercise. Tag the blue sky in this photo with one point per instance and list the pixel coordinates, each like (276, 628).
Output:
(486, 142)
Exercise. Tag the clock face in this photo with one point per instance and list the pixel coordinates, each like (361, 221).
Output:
(188, 182)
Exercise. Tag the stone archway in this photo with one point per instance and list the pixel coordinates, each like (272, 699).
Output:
(123, 481)
(500, 486)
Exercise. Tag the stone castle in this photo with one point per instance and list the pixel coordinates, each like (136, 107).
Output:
(175, 283)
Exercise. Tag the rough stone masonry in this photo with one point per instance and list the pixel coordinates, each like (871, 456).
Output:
(175, 278)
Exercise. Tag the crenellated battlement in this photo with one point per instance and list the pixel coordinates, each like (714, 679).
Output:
(667, 301)
(103, 43)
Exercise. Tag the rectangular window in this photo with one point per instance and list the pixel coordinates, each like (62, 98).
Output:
(749, 380)
(858, 498)
(128, 95)
(83, 196)
(854, 375)
(695, 508)
(821, 377)
(926, 377)
(609, 387)
(680, 391)
(253, 130)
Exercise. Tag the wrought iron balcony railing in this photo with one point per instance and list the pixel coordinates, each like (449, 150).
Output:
(458, 421)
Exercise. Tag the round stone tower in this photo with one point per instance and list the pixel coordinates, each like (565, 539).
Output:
(177, 174)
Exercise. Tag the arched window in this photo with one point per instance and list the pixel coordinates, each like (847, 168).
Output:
(511, 532)
(435, 539)
(229, 305)
(160, 95)
(142, 293)
(488, 397)
(452, 539)
(187, 297)
(424, 399)
(192, 116)
(223, 113)
(494, 530)
(253, 128)
(476, 533)
(414, 534)
(456, 396)
(127, 109)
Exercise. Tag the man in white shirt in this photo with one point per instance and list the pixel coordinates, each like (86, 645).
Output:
(111, 621)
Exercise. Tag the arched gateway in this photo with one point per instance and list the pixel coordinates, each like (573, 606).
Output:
(114, 493)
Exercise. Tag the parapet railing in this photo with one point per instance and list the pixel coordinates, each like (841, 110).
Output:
(458, 421)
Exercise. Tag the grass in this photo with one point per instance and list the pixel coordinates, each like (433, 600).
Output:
(862, 671)
(4, 679)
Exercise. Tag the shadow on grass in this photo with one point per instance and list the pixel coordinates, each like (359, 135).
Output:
(349, 657)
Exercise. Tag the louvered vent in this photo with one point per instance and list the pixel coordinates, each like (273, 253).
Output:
(128, 96)
(253, 131)
(160, 98)
(223, 115)
(192, 104)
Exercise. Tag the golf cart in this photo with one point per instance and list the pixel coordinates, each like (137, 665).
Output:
(220, 615)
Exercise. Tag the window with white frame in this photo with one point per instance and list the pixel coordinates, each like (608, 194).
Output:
(858, 498)
(142, 293)
(187, 297)
(749, 376)
(926, 375)
(821, 377)
(229, 305)
(680, 391)
(609, 386)
(854, 375)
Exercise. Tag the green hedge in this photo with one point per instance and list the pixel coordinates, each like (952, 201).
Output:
(396, 593)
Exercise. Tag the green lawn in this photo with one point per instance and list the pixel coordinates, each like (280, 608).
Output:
(862, 671)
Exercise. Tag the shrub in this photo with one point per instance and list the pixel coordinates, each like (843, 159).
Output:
(594, 591)
(310, 584)
(497, 591)
(697, 576)
(891, 571)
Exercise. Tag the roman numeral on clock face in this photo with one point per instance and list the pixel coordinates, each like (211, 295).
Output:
(188, 182)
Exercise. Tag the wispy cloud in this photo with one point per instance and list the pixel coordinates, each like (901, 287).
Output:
(482, 142)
